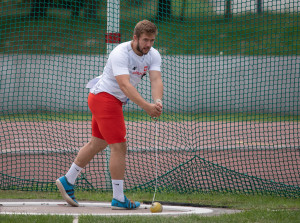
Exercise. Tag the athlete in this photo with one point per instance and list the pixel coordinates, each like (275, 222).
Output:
(125, 67)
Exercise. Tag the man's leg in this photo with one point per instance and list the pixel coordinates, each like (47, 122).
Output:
(117, 162)
(117, 167)
(65, 183)
(87, 153)
(84, 156)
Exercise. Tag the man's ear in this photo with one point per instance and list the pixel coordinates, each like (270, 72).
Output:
(135, 38)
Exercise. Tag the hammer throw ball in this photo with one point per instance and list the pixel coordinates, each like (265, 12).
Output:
(156, 207)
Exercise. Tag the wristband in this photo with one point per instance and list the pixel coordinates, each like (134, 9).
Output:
(158, 101)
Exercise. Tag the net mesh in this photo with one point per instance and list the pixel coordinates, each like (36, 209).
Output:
(231, 95)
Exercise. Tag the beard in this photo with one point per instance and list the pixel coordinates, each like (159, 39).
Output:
(141, 50)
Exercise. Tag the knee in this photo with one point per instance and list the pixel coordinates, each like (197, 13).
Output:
(97, 144)
(119, 148)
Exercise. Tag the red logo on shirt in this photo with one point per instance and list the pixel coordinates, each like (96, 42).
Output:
(141, 73)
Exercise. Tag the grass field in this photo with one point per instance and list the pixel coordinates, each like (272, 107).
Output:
(202, 32)
(261, 209)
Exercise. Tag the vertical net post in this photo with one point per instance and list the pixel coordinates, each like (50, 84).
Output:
(112, 38)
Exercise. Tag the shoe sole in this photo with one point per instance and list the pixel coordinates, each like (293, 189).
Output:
(120, 208)
(64, 194)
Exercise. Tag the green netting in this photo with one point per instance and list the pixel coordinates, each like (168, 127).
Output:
(231, 94)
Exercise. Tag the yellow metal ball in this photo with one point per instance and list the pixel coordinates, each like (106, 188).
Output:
(156, 207)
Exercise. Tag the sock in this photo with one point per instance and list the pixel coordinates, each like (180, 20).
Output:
(118, 192)
(73, 173)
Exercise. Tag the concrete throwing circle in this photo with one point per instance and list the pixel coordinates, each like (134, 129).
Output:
(90, 208)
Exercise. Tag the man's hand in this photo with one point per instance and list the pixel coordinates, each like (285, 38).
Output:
(158, 104)
(154, 110)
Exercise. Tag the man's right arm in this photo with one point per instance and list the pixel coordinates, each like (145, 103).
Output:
(130, 91)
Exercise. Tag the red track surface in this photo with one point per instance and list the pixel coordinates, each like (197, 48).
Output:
(45, 150)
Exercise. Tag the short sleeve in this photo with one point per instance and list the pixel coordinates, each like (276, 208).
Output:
(119, 62)
(155, 60)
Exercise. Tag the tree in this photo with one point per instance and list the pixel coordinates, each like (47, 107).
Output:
(39, 8)
(228, 13)
(164, 10)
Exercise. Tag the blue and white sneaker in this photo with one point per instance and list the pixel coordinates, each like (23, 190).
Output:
(67, 190)
(127, 204)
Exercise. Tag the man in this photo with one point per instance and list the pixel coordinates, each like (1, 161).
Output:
(126, 66)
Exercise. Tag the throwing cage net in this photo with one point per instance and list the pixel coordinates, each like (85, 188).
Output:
(231, 94)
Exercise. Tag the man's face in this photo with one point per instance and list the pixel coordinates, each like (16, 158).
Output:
(144, 43)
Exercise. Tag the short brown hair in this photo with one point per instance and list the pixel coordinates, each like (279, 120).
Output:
(145, 26)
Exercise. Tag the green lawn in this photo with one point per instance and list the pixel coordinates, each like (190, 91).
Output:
(35, 219)
(255, 208)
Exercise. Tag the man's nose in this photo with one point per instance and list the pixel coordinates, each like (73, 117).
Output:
(148, 44)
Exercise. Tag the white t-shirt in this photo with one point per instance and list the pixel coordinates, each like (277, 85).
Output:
(123, 60)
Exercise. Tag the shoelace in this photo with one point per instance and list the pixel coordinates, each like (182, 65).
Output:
(131, 203)
(71, 193)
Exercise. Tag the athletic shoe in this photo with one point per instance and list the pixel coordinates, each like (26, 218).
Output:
(67, 190)
(127, 204)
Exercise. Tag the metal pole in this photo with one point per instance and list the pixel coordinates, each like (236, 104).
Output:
(113, 36)
(112, 39)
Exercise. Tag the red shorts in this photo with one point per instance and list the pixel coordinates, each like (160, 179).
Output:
(107, 118)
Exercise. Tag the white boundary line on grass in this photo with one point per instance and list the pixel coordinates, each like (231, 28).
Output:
(167, 210)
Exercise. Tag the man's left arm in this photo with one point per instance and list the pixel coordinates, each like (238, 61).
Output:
(156, 86)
